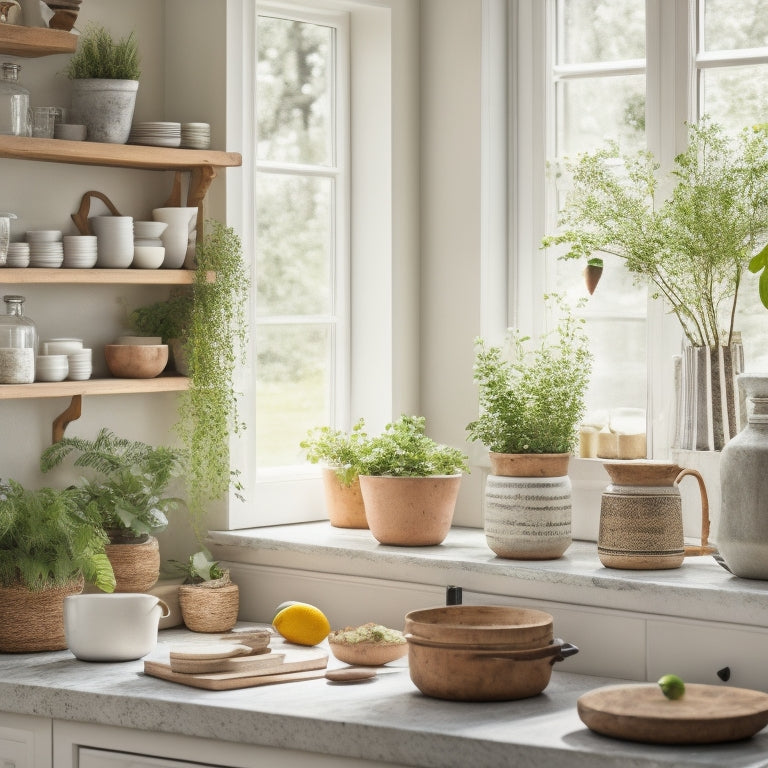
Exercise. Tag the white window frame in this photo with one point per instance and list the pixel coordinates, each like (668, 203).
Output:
(383, 376)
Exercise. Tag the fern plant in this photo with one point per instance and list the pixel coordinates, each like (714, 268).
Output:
(48, 540)
(99, 56)
(127, 487)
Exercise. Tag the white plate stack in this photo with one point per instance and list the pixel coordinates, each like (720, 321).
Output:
(195, 135)
(114, 241)
(80, 364)
(45, 248)
(156, 134)
(80, 251)
(18, 255)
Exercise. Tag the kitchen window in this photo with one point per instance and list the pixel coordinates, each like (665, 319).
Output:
(307, 94)
(634, 71)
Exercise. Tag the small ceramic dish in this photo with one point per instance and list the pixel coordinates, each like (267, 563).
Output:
(370, 645)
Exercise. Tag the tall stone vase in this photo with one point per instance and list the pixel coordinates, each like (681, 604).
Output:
(709, 412)
(743, 533)
(528, 506)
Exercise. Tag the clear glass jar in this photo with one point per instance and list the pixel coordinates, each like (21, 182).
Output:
(14, 102)
(18, 343)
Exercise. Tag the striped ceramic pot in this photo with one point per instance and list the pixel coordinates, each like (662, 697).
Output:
(528, 518)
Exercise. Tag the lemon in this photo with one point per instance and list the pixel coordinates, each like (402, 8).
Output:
(302, 624)
(283, 605)
(672, 686)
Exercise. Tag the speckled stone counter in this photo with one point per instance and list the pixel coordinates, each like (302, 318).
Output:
(386, 719)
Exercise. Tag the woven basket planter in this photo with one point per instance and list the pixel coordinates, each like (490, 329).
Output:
(207, 608)
(136, 566)
(34, 620)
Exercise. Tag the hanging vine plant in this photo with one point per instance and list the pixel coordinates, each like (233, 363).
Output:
(211, 317)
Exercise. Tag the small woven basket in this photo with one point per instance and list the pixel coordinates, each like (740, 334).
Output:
(207, 609)
(136, 566)
(34, 620)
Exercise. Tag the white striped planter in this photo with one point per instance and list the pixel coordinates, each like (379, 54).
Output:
(528, 518)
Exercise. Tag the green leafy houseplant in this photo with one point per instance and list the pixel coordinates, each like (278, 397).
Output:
(404, 450)
(211, 319)
(48, 540)
(99, 56)
(336, 449)
(199, 568)
(695, 245)
(127, 489)
(533, 400)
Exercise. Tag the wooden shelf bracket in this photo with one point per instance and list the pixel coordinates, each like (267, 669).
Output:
(72, 412)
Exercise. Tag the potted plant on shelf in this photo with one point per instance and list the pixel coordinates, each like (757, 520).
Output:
(105, 79)
(127, 491)
(693, 247)
(49, 547)
(531, 403)
(409, 484)
(339, 452)
(209, 601)
(212, 320)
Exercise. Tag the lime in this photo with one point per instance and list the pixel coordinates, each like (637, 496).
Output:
(672, 686)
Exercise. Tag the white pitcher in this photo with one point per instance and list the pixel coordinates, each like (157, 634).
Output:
(178, 236)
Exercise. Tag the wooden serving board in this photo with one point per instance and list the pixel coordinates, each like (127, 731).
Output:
(299, 664)
(249, 663)
(706, 714)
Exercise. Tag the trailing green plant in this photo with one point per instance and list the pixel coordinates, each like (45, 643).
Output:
(99, 56)
(48, 540)
(695, 245)
(128, 482)
(404, 450)
(532, 400)
(216, 339)
(199, 568)
(336, 449)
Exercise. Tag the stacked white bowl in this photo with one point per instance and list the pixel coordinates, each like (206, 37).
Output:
(148, 248)
(18, 255)
(114, 240)
(195, 135)
(80, 251)
(45, 248)
(51, 367)
(80, 364)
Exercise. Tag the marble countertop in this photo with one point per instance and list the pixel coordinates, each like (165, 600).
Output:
(384, 719)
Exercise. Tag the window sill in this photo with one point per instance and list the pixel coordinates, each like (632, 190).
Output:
(699, 590)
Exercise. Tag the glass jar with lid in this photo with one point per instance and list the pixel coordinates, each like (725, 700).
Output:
(14, 102)
(18, 343)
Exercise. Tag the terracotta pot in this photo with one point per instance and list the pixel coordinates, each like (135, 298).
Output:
(529, 464)
(136, 566)
(33, 620)
(484, 626)
(344, 503)
(410, 511)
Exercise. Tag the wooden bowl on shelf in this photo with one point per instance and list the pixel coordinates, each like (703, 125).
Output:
(136, 361)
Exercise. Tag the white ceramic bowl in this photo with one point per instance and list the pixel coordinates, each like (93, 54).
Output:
(148, 230)
(117, 627)
(44, 235)
(51, 367)
(148, 256)
(61, 346)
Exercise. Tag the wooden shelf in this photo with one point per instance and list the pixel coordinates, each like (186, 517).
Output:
(115, 155)
(33, 42)
(42, 389)
(34, 276)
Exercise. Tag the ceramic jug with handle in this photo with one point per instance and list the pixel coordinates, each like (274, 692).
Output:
(178, 235)
(641, 516)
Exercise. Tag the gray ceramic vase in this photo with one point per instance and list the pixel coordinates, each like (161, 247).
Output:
(105, 107)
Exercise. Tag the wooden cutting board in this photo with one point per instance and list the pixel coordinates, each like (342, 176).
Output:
(290, 664)
(706, 714)
(249, 663)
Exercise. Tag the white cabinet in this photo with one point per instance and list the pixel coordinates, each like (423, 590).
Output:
(25, 741)
(100, 758)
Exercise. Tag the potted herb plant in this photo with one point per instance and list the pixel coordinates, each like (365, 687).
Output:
(693, 247)
(531, 402)
(127, 491)
(48, 548)
(209, 601)
(213, 323)
(339, 452)
(409, 484)
(105, 79)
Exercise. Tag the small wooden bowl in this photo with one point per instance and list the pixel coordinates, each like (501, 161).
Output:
(136, 361)
(368, 653)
